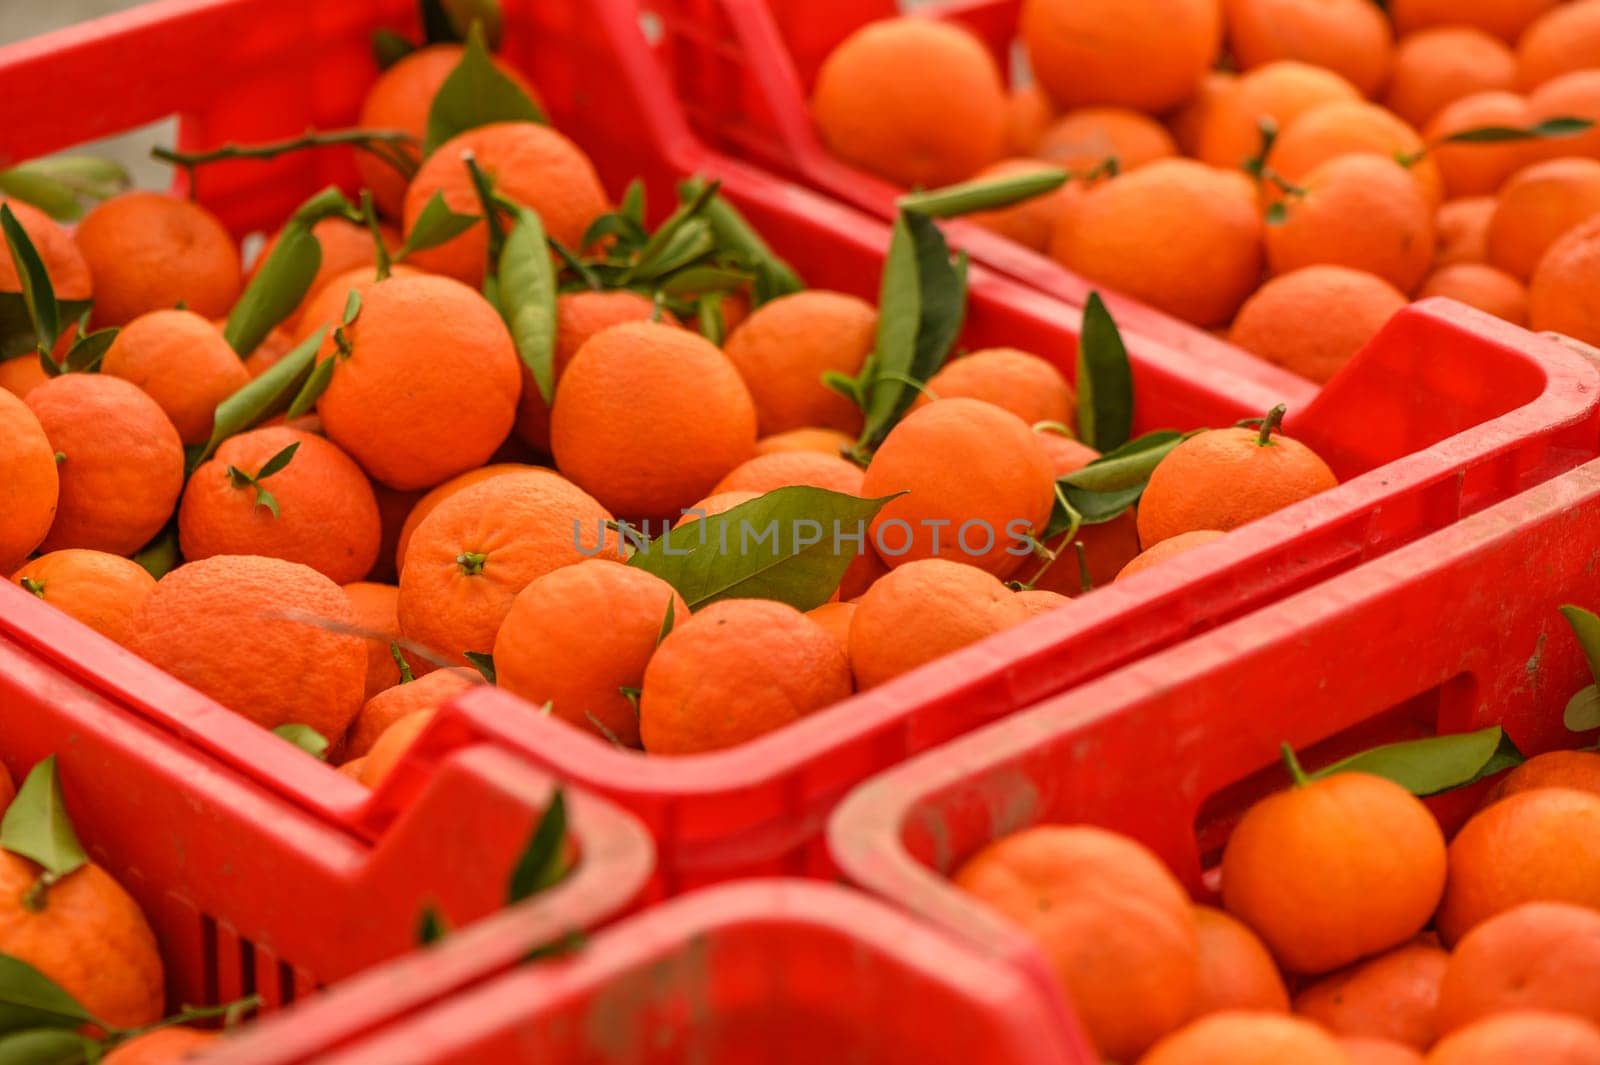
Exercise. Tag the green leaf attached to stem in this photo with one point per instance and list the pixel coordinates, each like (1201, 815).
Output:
(1549, 129)
(543, 863)
(287, 273)
(30, 1000)
(60, 185)
(984, 194)
(304, 737)
(36, 827)
(483, 662)
(1105, 380)
(774, 277)
(528, 298)
(263, 397)
(434, 226)
(37, 292)
(475, 94)
(1436, 764)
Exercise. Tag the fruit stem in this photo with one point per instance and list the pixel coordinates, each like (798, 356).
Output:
(1085, 581)
(379, 142)
(1292, 764)
(1271, 423)
(369, 215)
(31, 585)
(33, 900)
(406, 676)
(471, 562)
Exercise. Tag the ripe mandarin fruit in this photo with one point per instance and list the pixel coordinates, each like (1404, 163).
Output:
(1334, 870)
(1113, 923)
(180, 361)
(89, 937)
(63, 262)
(1537, 206)
(1540, 956)
(324, 307)
(22, 375)
(1462, 228)
(148, 251)
(1171, 547)
(1362, 1051)
(243, 630)
(763, 473)
(1187, 124)
(1521, 1036)
(531, 164)
(649, 418)
(1281, 91)
(785, 346)
(1084, 52)
(875, 106)
(1345, 127)
(439, 493)
(1087, 137)
(102, 591)
(1031, 222)
(1236, 969)
(376, 609)
(924, 610)
(1036, 601)
(29, 483)
(1578, 770)
(1177, 234)
(737, 669)
(579, 316)
(1575, 95)
(1564, 39)
(1107, 547)
(826, 441)
(1029, 113)
(836, 618)
(1024, 384)
(1362, 211)
(1438, 66)
(119, 459)
(1564, 293)
(429, 387)
(392, 746)
(422, 695)
(1505, 19)
(579, 636)
(1393, 996)
(1535, 846)
(1350, 308)
(1491, 291)
(164, 1046)
(976, 481)
(1243, 1037)
(400, 100)
(1349, 37)
(326, 517)
(353, 769)
(470, 557)
(1223, 478)
(347, 247)
(1478, 169)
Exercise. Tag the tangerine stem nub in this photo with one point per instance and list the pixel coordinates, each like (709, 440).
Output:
(33, 900)
(471, 562)
(1270, 423)
(31, 585)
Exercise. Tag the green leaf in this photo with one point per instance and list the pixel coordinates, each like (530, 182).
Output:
(352, 308)
(475, 94)
(55, 198)
(669, 234)
(1438, 763)
(1586, 627)
(30, 999)
(706, 281)
(1583, 710)
(483, 663)
(59, 185)
(1097, 508)
(1129, 465)
(285, 276)
(527, 286)
(37, 292)
(920, 311)
(160, 556)
(388, 47)
(774, 277)
(571, 261)
(36, 825)
(311, 390)
(633, 202)
(708, 316)
(48, 1046)
(89, 349)
(431, 926)
(304, 737)
(985, 194)
(1550, 128)
(667, 621)
(435, 225)
(277, 462)
(628, 234)
(777, 546)
(463, 13)
(264, 397)
(1105, 380)
(436, 25)
(544, 862)
(1277, 213)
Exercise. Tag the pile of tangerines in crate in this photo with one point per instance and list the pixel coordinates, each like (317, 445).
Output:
(480, 421)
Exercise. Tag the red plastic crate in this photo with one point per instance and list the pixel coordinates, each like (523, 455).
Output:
(1453, 633)
(250, 892)
(744, 70)
(778, 972)
(1446, 412)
